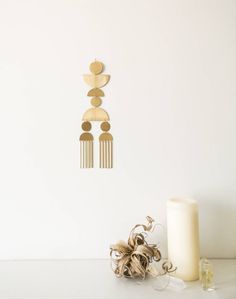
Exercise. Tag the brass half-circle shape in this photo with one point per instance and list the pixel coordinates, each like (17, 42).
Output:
(95, 92)
(86, 137)
(105, 137)
(96, 114)
(96, 81)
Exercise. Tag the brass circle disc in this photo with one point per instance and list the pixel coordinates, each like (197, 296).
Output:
(96, 102)
(105, 126)
(96, 67)
(86, 126)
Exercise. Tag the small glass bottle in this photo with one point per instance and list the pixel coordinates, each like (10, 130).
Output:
(206, 275)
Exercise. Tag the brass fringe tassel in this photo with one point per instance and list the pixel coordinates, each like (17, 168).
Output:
(86, 154)
(106, 150)
(86, 150)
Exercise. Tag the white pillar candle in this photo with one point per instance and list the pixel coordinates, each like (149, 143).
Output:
(183, 237)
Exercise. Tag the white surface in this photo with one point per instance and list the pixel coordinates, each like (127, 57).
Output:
(171, 100)
(89, 279)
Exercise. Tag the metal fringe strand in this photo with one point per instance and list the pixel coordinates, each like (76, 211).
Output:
(106, 154)
(86, 154)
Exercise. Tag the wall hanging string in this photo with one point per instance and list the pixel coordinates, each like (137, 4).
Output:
(96, 80)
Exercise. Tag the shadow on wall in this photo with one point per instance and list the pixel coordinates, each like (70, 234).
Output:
(217, 224)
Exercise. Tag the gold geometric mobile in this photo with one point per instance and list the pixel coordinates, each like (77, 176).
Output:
(96, 80)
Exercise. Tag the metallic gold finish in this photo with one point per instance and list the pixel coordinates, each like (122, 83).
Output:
(96, 102)
(105, 137)
(96, 67)
(86, 126)
(106, 150)
(96, 114)
(96, 80)
(95, 92)
(105, 126)
(86, 154)
(86, 150)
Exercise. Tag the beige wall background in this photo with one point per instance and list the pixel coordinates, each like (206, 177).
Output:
(172, 103)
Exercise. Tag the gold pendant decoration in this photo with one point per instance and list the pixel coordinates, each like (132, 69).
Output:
(96, 80)
(86, 146)
(106, 146)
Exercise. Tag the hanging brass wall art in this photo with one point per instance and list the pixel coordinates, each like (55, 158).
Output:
(96, 80)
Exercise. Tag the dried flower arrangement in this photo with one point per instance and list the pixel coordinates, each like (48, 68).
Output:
(135, 258)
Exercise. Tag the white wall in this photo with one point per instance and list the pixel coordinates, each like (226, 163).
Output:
(172, 103)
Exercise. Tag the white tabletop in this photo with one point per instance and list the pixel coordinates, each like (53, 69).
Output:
(82, 279)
